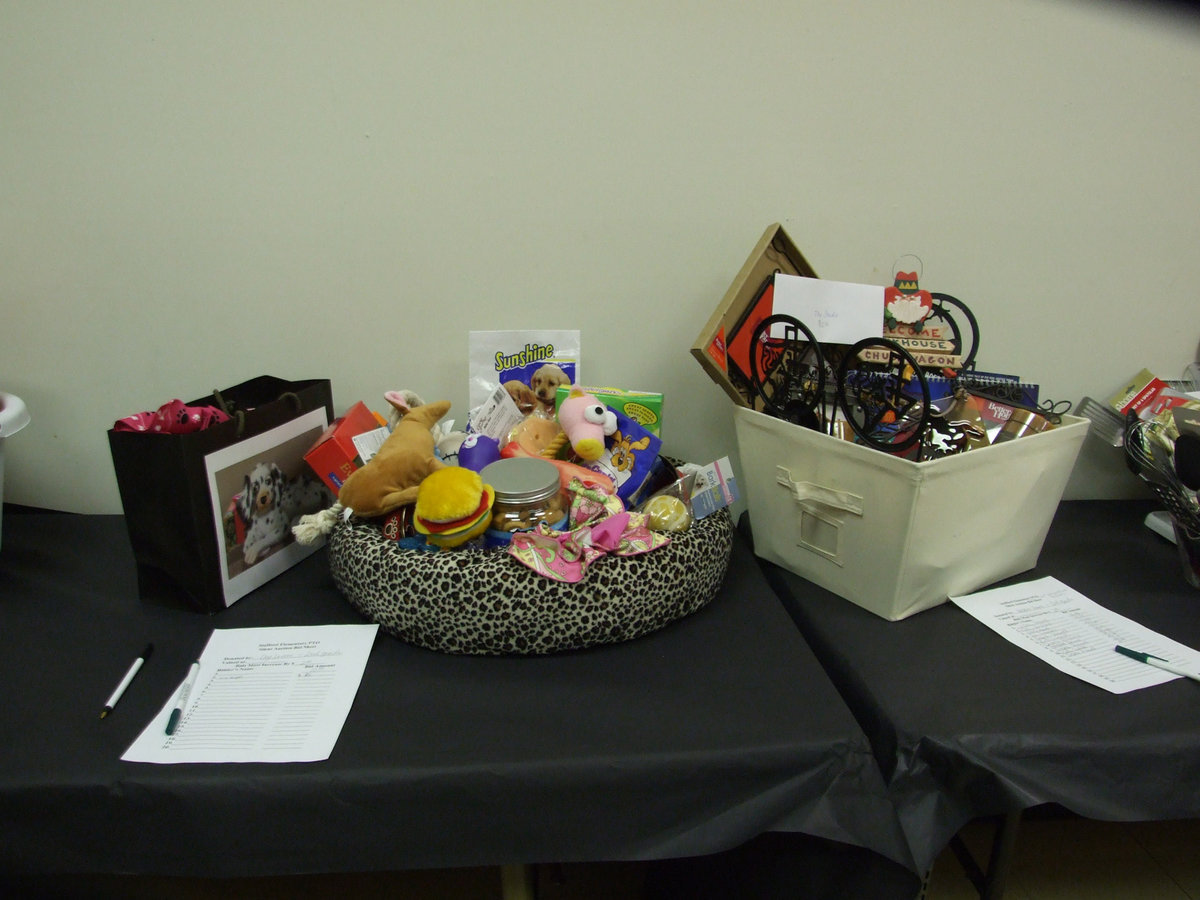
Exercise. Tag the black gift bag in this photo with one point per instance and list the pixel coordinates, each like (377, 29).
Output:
(209, 512)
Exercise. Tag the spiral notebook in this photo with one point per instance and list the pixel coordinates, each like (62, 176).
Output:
(1004, 388)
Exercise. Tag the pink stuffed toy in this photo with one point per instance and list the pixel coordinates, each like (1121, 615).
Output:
(585, 422)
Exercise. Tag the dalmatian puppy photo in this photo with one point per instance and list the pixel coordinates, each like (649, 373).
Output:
(545, 382)
(303, 496)
(270, 503)
(260, 509)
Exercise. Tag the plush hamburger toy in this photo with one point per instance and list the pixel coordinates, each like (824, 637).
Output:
(453, 506)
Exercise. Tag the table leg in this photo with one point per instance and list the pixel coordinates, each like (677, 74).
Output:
(518, 882)
(1001, 858)
(991, 884)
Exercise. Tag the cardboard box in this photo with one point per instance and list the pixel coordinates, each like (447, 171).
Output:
(334, 457)
(1138, 393)
(722, 346)
(644, 407)
(896, 536)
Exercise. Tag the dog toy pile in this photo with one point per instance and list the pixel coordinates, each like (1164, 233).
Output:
(558, 489)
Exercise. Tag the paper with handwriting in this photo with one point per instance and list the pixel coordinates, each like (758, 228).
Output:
(1076, 635)
(264, 695)
(836, 312)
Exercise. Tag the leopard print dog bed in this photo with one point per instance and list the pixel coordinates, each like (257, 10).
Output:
(484, 602)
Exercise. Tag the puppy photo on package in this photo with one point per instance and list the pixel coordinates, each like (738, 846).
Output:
(529, 365)
(629, 457)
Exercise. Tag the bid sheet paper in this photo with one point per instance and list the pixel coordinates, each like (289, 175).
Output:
(1076, 635)
(264, 695)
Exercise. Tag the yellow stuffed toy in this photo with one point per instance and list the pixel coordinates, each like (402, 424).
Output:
(454, 506)
(391, 479)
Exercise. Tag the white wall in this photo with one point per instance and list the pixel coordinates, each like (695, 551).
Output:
(192, 194)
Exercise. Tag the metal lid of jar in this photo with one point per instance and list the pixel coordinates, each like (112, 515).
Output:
(521, 479)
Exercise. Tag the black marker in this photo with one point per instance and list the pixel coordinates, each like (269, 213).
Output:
(181, 700)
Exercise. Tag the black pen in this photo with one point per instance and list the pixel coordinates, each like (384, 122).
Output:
(133, 670)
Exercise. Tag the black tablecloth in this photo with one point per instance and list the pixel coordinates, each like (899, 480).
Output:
(966, 724)
(690, 741)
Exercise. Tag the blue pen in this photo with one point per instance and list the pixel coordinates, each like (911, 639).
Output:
(181, 698)
(1157, 661)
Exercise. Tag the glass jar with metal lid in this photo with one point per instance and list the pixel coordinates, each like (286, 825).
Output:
(527, 493)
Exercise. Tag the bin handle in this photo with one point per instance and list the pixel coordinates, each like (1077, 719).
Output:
(807, 492)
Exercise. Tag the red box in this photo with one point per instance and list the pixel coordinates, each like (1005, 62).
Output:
(333, 457)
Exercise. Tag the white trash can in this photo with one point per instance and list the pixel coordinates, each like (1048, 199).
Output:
(13, 417)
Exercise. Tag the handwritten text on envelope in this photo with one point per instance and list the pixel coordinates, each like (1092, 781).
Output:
(836, 312)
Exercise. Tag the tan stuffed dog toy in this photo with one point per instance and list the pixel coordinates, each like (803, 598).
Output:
(391, 479)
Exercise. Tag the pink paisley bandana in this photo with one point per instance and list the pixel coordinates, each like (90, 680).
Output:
(599, 525)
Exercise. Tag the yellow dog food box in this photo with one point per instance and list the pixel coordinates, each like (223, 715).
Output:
(644, 407)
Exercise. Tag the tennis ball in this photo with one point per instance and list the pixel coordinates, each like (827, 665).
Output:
(667, 513)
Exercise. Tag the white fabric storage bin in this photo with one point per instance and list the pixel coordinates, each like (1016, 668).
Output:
(896, 536)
